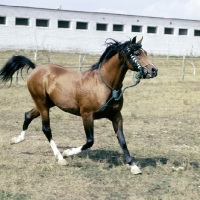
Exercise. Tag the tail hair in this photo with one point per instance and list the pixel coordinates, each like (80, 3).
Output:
(14, 64)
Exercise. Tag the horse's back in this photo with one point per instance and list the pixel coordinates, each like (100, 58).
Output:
(47, 74)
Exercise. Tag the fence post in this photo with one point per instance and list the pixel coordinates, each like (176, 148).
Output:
(35, 55)
(16, 77)
(133, 77)
(167, 60)
(80, 63)
(183, 70)
(194, 68)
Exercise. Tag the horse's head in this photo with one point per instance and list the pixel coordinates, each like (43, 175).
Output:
(136, 60)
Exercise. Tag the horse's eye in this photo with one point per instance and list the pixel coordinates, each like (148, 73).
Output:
(136, 53)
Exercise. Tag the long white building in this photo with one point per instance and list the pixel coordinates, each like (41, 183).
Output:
(30, 28)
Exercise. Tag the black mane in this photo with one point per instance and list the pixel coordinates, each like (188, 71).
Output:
(113, 47)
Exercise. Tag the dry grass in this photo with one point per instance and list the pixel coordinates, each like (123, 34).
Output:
(162, 129)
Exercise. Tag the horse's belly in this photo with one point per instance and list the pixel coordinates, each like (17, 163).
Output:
(74, 111)
(66, 103)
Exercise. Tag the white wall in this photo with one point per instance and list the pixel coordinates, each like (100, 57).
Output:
(91, 40)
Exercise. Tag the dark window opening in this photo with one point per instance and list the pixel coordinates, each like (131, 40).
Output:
(196, 32)
(182, 31)
(136, 28)
(22, 21)
(169, 31)
(118, 27)
(42, 22)
(2, 20)
(63, 24)
(151, 29)
(81, 25)
(101, 27)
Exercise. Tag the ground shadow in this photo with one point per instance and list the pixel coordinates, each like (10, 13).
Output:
(145, 162)
(115, 158)
(28, 153)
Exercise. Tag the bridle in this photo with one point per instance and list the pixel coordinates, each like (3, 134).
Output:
(134, 62)
(130, 57)
(117, 94)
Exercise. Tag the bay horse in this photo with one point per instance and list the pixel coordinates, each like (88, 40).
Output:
(92, 94)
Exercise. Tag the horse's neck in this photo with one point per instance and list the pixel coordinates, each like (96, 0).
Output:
(113, 72)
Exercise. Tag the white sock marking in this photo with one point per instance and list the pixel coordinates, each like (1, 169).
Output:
(135, 169)
(72, 151)
(20, 138)
(56, 152)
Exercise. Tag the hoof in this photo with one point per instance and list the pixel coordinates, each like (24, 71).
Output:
(62, 162)
(16, 140)
(66, 153)
(135, 170)
(177, 169)
(13, 141)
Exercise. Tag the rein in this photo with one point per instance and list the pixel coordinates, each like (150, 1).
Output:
(116, 95)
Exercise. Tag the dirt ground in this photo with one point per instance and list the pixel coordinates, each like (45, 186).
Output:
(162, 130)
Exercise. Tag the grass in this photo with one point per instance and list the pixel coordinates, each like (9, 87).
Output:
(161, 126)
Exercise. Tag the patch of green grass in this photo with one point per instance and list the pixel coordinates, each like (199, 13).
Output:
(6, 195)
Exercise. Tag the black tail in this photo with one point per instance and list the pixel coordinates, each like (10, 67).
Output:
(14, 64)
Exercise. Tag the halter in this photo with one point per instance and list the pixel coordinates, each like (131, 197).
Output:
(116, 95)
(130, 57)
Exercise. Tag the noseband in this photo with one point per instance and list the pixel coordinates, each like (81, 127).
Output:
(116, 95)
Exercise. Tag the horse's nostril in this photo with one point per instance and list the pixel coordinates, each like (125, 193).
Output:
(154, 71)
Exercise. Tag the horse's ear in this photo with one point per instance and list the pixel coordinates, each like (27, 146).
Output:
(133, 40)
(140, 41)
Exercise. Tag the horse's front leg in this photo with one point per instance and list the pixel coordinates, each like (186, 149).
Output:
(88, 124)
(117, 122)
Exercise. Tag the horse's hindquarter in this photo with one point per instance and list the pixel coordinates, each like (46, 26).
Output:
(56, 82)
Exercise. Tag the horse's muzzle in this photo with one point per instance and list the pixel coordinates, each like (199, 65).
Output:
(150, 71)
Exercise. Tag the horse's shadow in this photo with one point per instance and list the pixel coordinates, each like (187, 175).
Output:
(114, 158)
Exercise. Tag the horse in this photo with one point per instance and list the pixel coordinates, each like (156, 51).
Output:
(92, 94)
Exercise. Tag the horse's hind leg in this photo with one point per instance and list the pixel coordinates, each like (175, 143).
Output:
(29, 116)
(47, 131)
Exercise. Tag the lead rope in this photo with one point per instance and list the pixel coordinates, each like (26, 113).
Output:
(115, 93)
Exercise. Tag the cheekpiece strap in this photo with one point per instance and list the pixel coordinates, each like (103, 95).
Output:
(130, 57)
